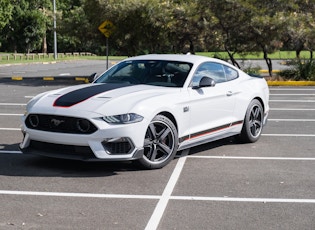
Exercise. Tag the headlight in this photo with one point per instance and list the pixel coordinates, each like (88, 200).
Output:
(123, 118)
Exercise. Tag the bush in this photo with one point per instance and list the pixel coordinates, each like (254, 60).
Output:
(252, 70)
(301, 70)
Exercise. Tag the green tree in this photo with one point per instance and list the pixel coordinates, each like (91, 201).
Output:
(138, 23)
(25, 30)
(184, 26)
(5, 16)
(229, 18)
(300, 26)
(267, 26)
(5, 12)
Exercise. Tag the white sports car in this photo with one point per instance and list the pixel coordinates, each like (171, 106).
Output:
(147, 108)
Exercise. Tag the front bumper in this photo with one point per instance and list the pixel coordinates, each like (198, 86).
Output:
(108, 143)
(83, 153)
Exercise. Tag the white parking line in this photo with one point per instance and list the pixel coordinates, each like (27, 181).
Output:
(161, 205)
(255, 158)
(154, 197)
(287, 135)
(10, 114)
(13, 104)
(303, 101)
(291, 109)
(10, 129)
(237, 199)
(84, 195)
(10, 152)
(292, 94)
(291, 120)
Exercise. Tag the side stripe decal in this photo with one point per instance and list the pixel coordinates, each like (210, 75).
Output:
(209, 131)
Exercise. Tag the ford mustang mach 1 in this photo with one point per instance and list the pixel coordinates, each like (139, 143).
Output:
(146, 108)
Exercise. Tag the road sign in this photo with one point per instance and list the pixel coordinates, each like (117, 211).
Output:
(107, 28)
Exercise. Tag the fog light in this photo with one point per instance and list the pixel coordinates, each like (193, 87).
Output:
(34, 120)
(115, 146)
(83, 125)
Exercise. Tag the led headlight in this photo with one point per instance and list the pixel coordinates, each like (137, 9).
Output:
(123, 118)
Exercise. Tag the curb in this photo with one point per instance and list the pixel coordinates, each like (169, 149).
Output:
(291, 83)
(48, 78)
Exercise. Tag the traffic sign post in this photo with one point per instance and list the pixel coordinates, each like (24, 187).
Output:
(107, 28)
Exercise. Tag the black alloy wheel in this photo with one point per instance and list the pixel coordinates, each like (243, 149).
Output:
(160, 143)
(253, 122)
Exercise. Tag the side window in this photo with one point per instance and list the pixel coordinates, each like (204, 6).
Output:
(210, 69)
(230, 73)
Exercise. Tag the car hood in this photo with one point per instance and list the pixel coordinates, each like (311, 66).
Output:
(95, 97)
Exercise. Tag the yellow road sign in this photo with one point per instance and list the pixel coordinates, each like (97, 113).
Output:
(106, 28)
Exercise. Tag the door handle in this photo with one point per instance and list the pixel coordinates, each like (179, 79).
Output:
(229, 93)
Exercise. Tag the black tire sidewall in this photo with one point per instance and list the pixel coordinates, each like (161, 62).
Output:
(144, 162)
(246, 135)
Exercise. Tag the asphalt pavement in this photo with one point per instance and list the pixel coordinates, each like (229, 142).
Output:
(84, 68)
(269, 184)
(75, 68)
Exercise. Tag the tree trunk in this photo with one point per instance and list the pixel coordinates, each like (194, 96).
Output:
(234, 62)
(299, 47)
(268, 60)
(44, 45)
(191, 47)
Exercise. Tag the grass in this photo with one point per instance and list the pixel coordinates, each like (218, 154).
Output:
(282, 55)
(9, 58)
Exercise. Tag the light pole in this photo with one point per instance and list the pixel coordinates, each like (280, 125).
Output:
(55, 31)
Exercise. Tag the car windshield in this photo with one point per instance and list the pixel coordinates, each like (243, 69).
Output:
(149, 72)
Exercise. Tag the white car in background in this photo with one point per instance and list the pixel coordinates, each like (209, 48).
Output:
(147, 108)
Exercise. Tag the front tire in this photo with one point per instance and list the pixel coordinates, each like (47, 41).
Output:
(253, 122)
(160, 143)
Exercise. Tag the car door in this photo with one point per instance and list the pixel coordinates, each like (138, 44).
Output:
(212, 108)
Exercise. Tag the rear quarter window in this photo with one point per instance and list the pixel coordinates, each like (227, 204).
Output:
(230, 73)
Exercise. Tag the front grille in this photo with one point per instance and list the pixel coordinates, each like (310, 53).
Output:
(83, 152)
(61, 124)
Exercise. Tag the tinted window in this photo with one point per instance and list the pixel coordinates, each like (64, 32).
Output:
(218, 72)
(151, 72)
(210, 69)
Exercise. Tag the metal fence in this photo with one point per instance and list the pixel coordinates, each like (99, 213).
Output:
(40, 56)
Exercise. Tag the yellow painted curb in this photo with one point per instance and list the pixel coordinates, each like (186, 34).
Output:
(267, 71)
(48, 78)
(17, 78)
(80, 78)
(291, 83)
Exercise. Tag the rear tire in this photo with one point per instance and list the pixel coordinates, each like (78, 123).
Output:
(253, 122)
(160, 143)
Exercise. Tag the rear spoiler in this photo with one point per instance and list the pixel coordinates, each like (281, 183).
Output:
(255, 75)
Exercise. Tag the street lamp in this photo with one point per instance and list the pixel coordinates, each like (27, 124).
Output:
(55, 31)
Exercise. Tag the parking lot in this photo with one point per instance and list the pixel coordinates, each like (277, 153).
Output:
(221, 185)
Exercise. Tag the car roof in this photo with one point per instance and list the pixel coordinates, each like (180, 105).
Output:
(195, 59)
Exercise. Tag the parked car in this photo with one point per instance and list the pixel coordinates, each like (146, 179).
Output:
(146, 108)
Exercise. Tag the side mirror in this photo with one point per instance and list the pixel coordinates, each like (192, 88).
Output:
(205, 82)
(92, 77)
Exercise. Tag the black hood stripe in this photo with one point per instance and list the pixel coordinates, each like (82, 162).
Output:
(83, 94)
